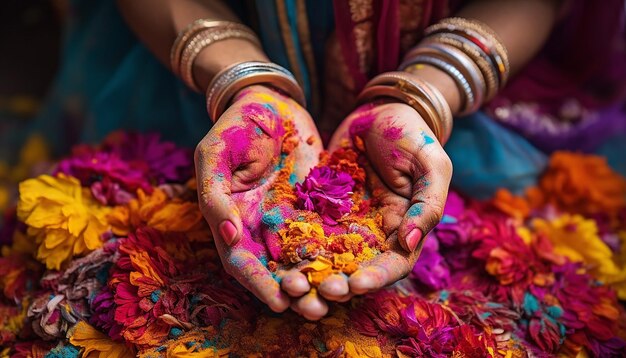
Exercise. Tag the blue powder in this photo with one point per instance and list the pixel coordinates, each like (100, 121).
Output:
(531, 305)
(281, 163)
(444, 295)
(415, 210)
(175, 332)
(320, 346)
(270, 107)
(60, 351)
(220, 177)
(485, 315)
(555, 311)
(273, 219)
(427, 138)
(447, 219)
(293, 179)
(155, 295)
(258, 130)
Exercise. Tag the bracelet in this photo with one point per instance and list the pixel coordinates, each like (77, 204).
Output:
(420, 95)
(229, 81)
(471, 76)
(199, 35)
(481, 35)
(460, 80)
(480, 58)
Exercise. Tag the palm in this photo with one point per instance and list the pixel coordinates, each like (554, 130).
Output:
(409, 174)
(237, 163)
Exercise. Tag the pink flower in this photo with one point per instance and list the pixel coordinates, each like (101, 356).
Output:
(327, 192)
(166, 162)
(431, 268)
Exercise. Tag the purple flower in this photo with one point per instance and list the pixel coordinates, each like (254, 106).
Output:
(327, 192)
(103, 313)
(431, 268)
(166, 162)
(91, 167)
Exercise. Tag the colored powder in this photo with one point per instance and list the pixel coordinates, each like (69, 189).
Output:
(273, 219)
(531, 305)
(392, 133)
(427, 139)
(67, 351)
(415, 210)
(330, 246)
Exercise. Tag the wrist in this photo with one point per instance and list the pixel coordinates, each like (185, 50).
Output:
(441, 81)
(213, 59)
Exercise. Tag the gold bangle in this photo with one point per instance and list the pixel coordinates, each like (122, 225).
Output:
(480, 58)
(459, 61)
(228, 82)
(198, 35)
(206, 38)
(185, 35)
(420, 95)
(475, 30)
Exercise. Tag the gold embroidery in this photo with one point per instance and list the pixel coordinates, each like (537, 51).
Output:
(363, 40)
(360, 10)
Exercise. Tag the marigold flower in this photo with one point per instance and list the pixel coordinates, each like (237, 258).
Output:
(577, 238)
(95, 344)
(63, 218)
(160, 212)
(581, 184)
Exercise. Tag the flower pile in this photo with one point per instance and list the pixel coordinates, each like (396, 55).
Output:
(330, 222)
(110, 257)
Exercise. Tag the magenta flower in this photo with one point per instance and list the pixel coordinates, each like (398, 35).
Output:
(91, 167)
(431, 268)
(327, 192)
(166, 162)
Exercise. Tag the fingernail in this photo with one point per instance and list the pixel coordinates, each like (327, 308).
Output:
(413, 238)
(228, 231)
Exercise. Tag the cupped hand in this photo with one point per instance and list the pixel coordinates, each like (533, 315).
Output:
(236, 164)
(409, 174)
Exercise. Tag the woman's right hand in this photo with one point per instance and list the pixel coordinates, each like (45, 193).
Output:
(236, 164)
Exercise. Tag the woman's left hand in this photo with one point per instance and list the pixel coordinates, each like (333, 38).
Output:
(409, 174)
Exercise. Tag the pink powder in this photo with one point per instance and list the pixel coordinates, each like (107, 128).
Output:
(392, 133)
(364, 122)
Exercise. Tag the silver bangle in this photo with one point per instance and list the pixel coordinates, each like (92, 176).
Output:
(457, 76)
(485, 63)
(228, 82)
(469, 69)
(204, 39)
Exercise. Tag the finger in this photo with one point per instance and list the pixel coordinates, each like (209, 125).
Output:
(295, 283)
(334, 287)
(254, 276)
(214, 191)
(428, 199)
(311, 306)
(383, 270)
(346, 298)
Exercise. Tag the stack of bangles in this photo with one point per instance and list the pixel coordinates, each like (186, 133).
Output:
(226, 83)
(466, 50)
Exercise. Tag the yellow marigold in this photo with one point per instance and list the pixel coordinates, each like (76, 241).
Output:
(581, 184)
(96, 344)
(62, 216)
(189, 345)
(577, 238)
(160, 212)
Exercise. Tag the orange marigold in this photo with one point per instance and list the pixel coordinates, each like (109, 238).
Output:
(160, 212)
(581, 184)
